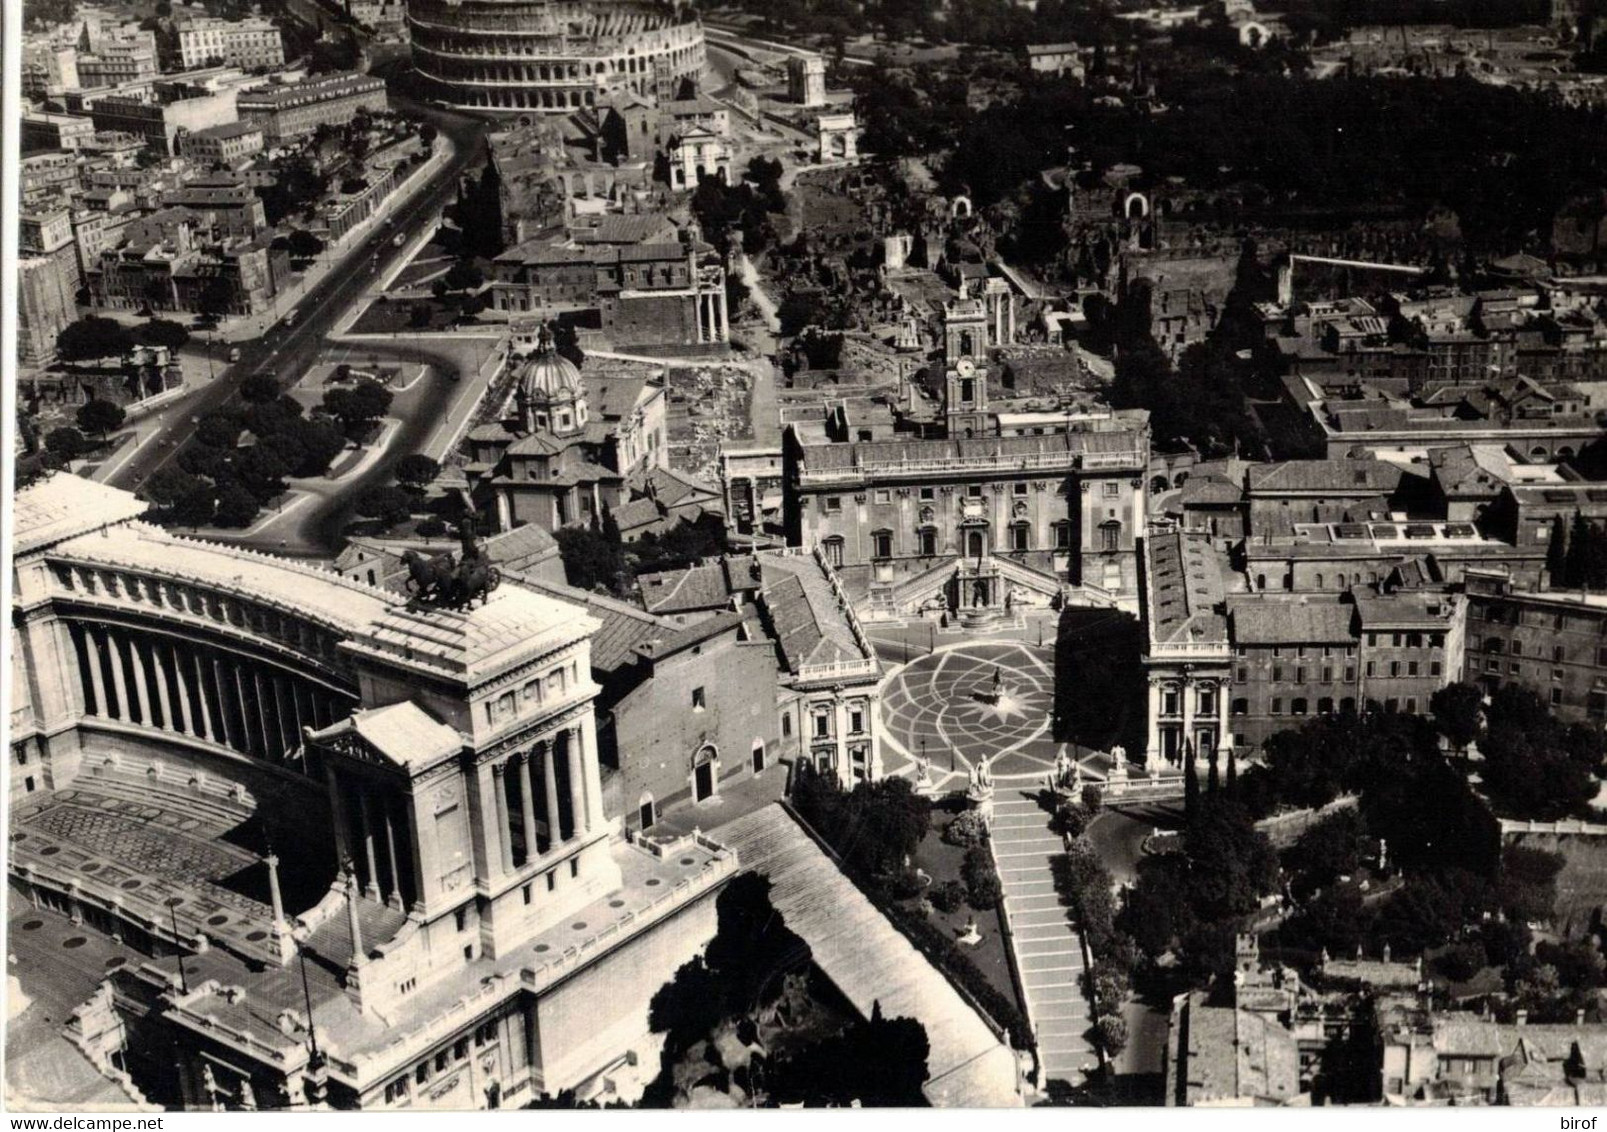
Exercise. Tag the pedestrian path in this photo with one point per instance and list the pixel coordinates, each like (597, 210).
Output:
(1048, 952)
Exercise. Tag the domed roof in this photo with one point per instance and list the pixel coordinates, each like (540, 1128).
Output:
(548, 375)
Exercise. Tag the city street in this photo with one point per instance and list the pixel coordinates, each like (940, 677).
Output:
(287, 351)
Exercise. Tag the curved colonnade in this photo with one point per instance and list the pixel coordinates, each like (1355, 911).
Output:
(546, 56)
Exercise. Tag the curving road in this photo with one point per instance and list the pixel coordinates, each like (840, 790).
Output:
(1118, 834)
(286, 352)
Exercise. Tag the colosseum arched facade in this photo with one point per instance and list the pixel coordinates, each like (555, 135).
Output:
(551, 55)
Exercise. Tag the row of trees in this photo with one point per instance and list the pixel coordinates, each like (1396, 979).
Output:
(1576, 556)
(94, 337)
(220, 478)
(597, 557)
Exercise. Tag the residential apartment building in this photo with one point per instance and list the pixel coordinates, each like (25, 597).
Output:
(51, 133)
(162, 124)
(229, 210)
(118, 61)
(48, 68)
(289, 111)
(245, 43)
(1553, 642)
(1230, 669)
(227, 146)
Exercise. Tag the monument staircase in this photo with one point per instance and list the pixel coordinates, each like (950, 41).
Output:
(1045, 946)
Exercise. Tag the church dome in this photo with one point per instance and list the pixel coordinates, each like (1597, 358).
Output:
(548, 375)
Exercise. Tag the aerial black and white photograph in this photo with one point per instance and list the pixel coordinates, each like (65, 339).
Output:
(803, 554)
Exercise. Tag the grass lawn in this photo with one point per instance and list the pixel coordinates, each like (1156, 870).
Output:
(942, 863)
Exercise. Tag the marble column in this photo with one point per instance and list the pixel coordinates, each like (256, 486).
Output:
(251, 733)
(185, 706)
(1154, 717)
(274, 895)
(725, 318)
(119, 681)
(587, 736)
(97, 678)
(365, 825)
(393, 870)
(1224, 740)
(164, 702)
(504, 831)
(1186, 693)
(142, 692)
(550, 781)
(337, 811)
(577, 779)
(208, 721)
(359, 957)
(527, 807)
(227, 725)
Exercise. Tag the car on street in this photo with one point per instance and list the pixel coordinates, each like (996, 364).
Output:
(290, 317)
(234, 354)
(399, 241)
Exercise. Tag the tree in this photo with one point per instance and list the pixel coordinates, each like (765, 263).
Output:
(1231, 864)
(66, 443)
(298, 184)
(876, 1064)
(982, 884)
(216, 298)
(1191, 784)
(1458, 709)
(358, 407)
(237, 506)
(390, 505)
(1574, 566)
(1112, 1032)
(418, 316)
(166, 486)
(259, 388)
(303, 244)
(92, 338)
(416, 472)
(99, 417)
(1527, 886)
(163, 332)
(463, 275)
(1557, 553)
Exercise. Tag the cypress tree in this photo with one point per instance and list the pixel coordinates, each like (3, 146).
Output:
(1233, 774)
(1595, 558)
(1578, 546)
(1213, 778)
(1191, 785)
(1557, 552)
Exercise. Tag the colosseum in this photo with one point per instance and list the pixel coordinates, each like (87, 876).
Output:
(552, 55)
